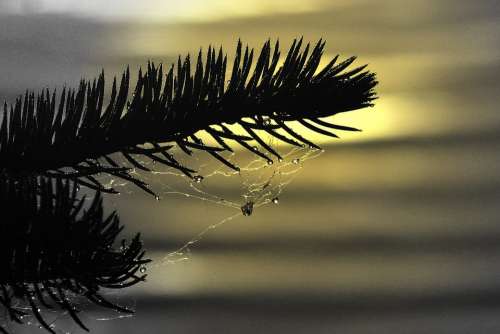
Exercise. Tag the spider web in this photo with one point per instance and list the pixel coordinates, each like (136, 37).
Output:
(258, 183)
(60, 321)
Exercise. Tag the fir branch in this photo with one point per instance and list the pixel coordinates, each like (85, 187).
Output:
(53, 247)
(49, 134)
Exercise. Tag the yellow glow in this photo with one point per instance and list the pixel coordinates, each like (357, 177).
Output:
(384, 120)
(200, 10)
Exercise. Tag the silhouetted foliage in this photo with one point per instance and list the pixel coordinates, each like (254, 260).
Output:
(53, 244)
(47, 134)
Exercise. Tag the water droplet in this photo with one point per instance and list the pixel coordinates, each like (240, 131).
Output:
(275, 200)
(157, 198)
(123, 247)
(280, 159)
(198, 178)
(270, 162)
(142, 269)
(255, 148)
(247, 208)
(295, 161)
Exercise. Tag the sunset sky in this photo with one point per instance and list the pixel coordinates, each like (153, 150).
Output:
(429, 55)
(396, 219)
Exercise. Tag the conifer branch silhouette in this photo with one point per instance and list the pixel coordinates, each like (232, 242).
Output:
(40, 136)
(53, 245)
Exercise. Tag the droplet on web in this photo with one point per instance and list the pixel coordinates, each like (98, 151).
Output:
(247, 208)
(157, 198)
(142, 269)
(275, 200)
(295, 161)
(270, 162)
(198, 178)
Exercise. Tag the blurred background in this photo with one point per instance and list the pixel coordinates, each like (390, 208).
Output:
(392, 230)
